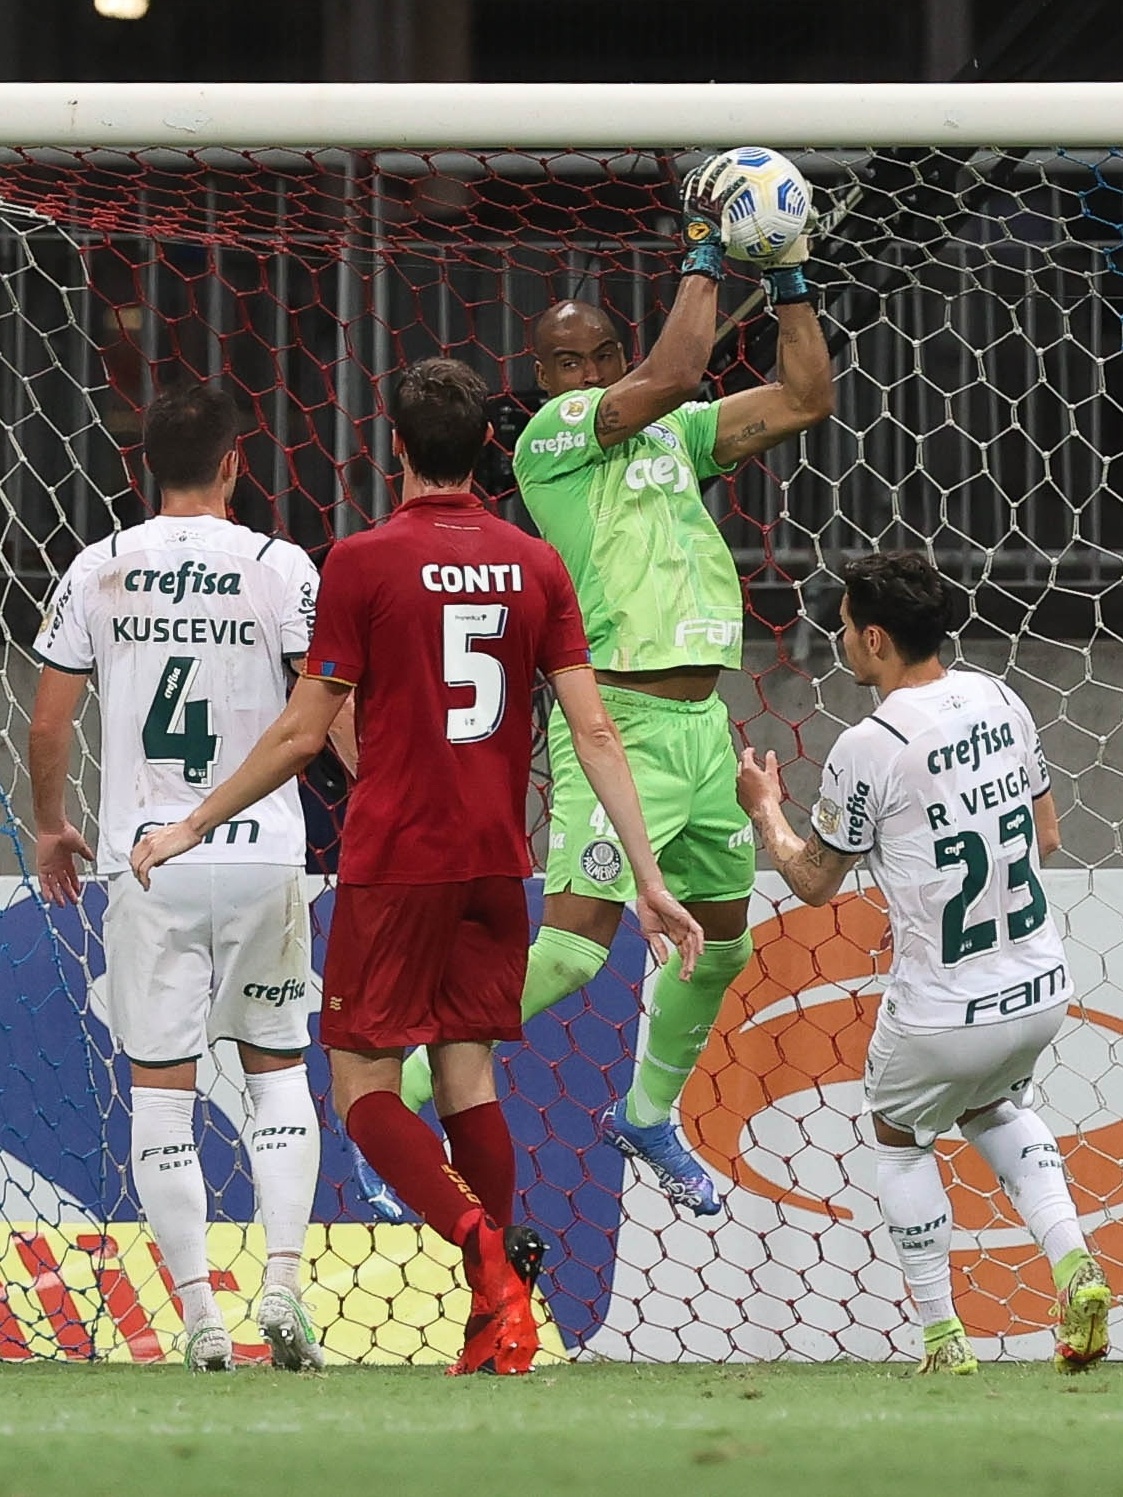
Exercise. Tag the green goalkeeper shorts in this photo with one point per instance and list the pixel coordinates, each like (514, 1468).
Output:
(685, 770)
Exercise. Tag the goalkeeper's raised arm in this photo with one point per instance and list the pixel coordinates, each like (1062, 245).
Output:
(578, 348)
(802, 394)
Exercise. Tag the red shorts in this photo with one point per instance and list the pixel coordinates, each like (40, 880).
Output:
(421, 964)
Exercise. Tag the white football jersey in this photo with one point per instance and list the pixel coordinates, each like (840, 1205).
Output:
(188, 623)
(936, 788)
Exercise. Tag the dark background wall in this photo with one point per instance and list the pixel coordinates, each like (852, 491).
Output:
(594, 40)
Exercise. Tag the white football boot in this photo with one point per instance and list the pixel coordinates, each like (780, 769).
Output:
(209, 1348)
(284, 1324)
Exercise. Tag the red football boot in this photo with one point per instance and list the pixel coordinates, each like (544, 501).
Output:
(480, 1321)
(502, 1267)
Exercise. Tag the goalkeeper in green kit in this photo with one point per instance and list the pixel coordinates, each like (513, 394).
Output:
(610, 470)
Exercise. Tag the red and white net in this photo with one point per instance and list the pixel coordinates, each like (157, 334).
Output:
(972, 300)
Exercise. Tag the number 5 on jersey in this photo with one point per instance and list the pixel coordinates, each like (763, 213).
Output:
(463, 666)
(177, 731)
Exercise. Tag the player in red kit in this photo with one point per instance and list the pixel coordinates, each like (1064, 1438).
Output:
(440, 620)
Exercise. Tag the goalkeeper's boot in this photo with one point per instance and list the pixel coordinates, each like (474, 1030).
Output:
(209, 1348)
(374, 1190)
(1083, 1301)
(683, 1179)
(284, 1324)
(947, 1349)
(501, 1265)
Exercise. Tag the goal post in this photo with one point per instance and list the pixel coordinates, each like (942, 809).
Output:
(301, 243)
(506, 116)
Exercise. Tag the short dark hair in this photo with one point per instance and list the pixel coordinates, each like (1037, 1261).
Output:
(902, 593)
(187, 433)
(440, 412)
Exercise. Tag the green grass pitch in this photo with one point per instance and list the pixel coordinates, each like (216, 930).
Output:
(788, 1430)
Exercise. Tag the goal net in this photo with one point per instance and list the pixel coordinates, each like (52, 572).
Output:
(970, 274)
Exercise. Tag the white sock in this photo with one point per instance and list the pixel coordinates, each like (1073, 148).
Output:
(1024, 1155)
(198, 1303)
(169, 1182)
(283, 1269)
(917, 1212)
(284, 1149)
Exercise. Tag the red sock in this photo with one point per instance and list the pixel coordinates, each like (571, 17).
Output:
(410, 1158)
(483, 1154)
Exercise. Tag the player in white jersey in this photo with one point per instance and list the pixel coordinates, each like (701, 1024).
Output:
(188, 620)
(944, 789)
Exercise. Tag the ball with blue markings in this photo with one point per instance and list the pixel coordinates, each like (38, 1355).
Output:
(766, 201)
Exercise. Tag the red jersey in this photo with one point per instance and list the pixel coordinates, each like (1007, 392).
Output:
(440, 618)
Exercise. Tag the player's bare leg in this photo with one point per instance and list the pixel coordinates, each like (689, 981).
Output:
(284, 1150)
(1023, 1153)
(591, 919)
(173, 1196)
(917, 1212)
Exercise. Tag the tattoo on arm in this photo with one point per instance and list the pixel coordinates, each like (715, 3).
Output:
(808, 867)
(800, 867)
(753, 429)
(811, 853)
(608, 420)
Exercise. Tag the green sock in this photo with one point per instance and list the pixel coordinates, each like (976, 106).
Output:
(417, 1080)
(682, 1015)
(559, 963)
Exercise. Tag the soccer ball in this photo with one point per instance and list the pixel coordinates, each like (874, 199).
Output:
(767, 201)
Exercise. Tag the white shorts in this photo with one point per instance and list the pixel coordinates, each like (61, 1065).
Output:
(923, 1080)
(210, 952)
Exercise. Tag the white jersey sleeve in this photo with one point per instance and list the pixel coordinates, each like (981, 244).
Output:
(299, 611)
(1029, 741)
(851, 795)
(64, 640)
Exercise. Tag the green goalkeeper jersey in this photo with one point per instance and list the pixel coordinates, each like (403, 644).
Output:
(656, 583)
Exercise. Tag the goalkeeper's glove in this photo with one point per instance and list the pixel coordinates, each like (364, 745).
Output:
(701, 226)
(783, 277)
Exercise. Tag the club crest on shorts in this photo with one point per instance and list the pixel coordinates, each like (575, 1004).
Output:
(601, 862)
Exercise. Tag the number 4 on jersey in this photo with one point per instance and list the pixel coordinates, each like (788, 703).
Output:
(177, 731)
